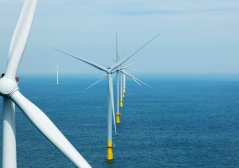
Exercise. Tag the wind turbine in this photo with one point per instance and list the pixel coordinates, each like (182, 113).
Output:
(109, 72)
(9, 90)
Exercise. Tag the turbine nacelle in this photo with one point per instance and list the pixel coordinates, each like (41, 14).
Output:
(109, 70)
(7, 86)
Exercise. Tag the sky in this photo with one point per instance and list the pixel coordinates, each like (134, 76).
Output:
(196, 36)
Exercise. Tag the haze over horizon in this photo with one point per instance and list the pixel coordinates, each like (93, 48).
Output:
(196, 36)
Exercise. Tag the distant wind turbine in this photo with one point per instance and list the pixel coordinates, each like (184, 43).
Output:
(9, 90)
(109, 72)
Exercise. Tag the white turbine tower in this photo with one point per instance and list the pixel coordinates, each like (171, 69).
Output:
(121, 89)
(118, 85)
(124, 85)
(109, 72)
(10, 92)
(57, 74)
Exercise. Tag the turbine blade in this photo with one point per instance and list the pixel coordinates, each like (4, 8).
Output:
(137, 79)
(143, 83)
(20, 36)
(49, 130)
(127, 58)
(124, 51)
(100, 67)
(130, 65)
(112, 100)
(136, 82)
(132, 77)
(99, 76)
(117, 51)
(96, 82)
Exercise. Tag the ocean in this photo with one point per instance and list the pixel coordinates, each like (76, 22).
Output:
(183, 121)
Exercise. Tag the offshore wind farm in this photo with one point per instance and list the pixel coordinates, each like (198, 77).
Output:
(168, 95)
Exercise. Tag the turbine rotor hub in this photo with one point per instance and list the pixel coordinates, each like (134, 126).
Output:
(7, 86)
(109, 70)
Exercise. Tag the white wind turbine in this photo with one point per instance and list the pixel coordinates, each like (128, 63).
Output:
(10, 92)
(109, 72)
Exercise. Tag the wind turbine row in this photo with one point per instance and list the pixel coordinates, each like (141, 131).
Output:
(9, 90)
(110, 70)
(121, 73)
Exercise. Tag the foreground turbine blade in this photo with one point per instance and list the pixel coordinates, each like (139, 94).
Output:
(112, 99)
(127, 58)
(100, 67)
(96, 82)
(9, 159)
(20, 36)
(45, 125)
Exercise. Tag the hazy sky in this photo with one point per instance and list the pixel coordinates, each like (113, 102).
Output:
(197, 36)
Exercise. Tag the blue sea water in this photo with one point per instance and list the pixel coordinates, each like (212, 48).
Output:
(181, 122)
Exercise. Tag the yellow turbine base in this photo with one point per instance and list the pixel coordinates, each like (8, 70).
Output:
(117, 117)
(121, 103)
(109, 150)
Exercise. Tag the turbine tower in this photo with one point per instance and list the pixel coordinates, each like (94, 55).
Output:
(57, 74)
(109, 72)
(124, 84)
(121, 90)
(9, 90)
(118, 85)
